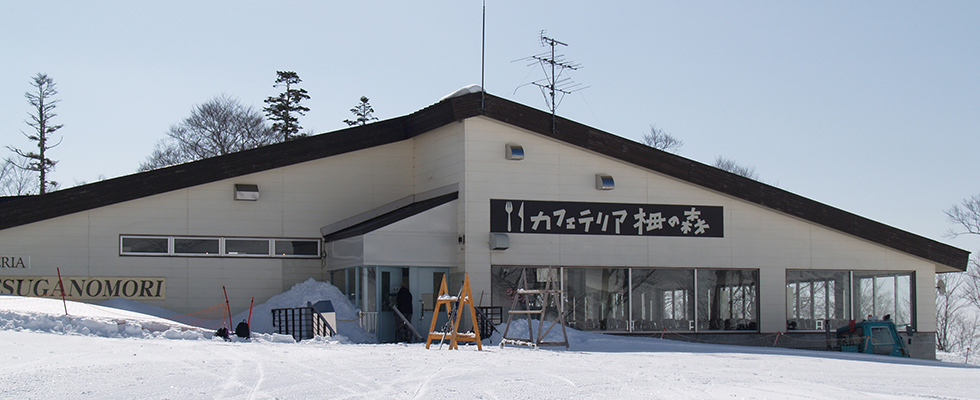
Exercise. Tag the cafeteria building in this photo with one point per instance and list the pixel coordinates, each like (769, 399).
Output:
(644, 242)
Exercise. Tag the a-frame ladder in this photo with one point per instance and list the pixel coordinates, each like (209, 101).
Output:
(523, 294)
(454, 316)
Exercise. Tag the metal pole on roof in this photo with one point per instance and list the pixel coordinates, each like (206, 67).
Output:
(483, 59)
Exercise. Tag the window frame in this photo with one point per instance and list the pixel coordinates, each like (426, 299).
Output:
(173, 246)
(222, 246)
(166, 253)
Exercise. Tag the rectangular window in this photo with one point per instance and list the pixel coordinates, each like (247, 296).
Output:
(728, 299)
(503, 288)
(597, 299)
(817, 299)
(247, 247)
(663, 299)
(196, 246)
(884, 293)
(144, 245)
(298, 248)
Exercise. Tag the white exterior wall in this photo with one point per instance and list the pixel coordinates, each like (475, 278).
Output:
(295, 201)
(755, 237)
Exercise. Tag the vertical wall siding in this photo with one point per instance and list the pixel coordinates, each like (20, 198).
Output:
(755, 237)
(295, 201)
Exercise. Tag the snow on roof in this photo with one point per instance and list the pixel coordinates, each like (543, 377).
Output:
(465, 90)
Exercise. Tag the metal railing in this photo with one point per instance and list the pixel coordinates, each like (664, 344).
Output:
(301, 323)
(369, 321)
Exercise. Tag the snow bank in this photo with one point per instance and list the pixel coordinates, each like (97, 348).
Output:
(48, 315)
(299, 295)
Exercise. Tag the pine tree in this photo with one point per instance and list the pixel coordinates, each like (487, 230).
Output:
(280, 109)
(364, 113)
(43, 103)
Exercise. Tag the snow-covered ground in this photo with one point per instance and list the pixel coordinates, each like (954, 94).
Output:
(98, 352)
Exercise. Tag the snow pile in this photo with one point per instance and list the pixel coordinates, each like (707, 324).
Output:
(474, 88)
(299, 295)
(48, 315)
(961, 357)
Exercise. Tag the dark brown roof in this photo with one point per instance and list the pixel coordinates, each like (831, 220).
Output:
(37, 208)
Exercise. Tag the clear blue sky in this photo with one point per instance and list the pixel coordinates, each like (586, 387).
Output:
(872, 107)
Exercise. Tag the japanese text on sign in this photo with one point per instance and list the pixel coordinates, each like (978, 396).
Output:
(577, 218)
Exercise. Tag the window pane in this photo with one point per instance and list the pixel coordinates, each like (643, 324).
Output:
(813, 297)
(144, 245)
(663, 299)
(597, 298)
(246, 247)
(298, 248)
(195, 246)
(884, 293)
(728, 299)
(504, 281)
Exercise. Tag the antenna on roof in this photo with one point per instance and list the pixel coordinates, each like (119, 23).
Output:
(483, 59)
(554, 87)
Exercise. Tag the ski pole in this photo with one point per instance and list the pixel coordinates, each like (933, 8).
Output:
(250, 313)
(227, 306)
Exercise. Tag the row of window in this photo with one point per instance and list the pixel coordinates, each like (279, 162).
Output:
(700, 300)
(218, 247)
(645, 299)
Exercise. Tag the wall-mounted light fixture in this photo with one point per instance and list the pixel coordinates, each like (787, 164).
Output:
(246, 192)
(514, 152)
(499, 241)
(604, 182)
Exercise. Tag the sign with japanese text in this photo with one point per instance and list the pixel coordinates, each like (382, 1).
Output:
(579, 218)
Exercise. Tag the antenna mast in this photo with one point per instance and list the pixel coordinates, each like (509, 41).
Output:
(554, 87)
(483, 59)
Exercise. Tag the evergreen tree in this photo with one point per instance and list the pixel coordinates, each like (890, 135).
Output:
(364, 113)
(43, 103)
(281, 108)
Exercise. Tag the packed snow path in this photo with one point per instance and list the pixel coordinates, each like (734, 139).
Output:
(45, 366)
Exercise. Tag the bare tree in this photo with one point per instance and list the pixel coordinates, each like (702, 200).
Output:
(730, 165)
(43, 102)
(661, 140)
(217, 127)
(966, 215)
(965, 326)
(16, 181)
(949, 307)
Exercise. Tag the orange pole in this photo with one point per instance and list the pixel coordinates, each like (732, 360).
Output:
(227, 307)
(250, 313)
(62, 285)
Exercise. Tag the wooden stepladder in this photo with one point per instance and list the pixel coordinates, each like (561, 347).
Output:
(523, 295)
(454, 316)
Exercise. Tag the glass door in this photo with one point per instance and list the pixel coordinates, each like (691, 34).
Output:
(389, 282)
